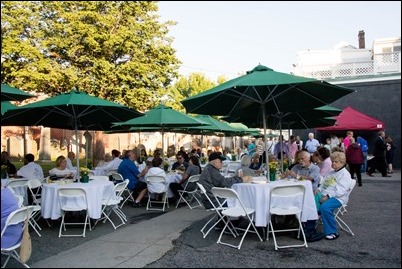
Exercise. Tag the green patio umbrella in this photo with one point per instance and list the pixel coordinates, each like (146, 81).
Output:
(9, 93)
(74, 110)
(5, 106)
(292, 120)
(162, 118)
(215, 127)
(263, 91)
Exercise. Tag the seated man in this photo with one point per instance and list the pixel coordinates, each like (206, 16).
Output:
(211, 177)
(30, 170)
(305, 169)
(129, 170)
(180, 164)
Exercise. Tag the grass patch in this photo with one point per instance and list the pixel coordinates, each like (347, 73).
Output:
(46, 165)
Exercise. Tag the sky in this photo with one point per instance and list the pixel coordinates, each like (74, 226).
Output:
(229, 38)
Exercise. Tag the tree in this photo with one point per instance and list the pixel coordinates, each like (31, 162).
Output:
(116, 50)
(188, 86)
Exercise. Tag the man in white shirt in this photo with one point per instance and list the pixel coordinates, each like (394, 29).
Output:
(30, 170)
(312, 143)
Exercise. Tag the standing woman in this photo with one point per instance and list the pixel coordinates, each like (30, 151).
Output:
(355, 159)
(389, 154)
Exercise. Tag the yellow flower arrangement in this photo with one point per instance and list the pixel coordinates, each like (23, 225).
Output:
(273, 166)
(84, 171)
(84, 174)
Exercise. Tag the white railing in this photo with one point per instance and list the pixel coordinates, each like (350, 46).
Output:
(385, 63)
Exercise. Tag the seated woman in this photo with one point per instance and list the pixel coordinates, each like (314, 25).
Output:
(245, 163)
(61, 170)
(106, 159)
(143, 156)
(9, 204)
(156, 170)
(322, 158)
(255, 162)
(193, 168)
(5, 160)
(333, 193)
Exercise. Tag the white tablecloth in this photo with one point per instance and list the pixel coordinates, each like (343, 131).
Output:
(96, 191)
(172, 178)
(257, 196)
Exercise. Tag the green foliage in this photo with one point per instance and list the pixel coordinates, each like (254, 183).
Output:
(185, 87)
(116, 50)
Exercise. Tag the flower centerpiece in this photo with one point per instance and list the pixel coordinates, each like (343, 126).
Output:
(84, 174)
(166, 165)
(273, 166)
(203, 160)
(4, 171)
(285, 165)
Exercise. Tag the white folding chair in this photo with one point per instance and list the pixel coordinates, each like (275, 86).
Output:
(110, 205)
(218, 216)
(231, 168)
(287, 200)
(127, 193)
(17, 217)
(191, 193)
(73, 200)
(35, 191)
(156, 180)
(20, 187)
(235, 212)
(342, 210)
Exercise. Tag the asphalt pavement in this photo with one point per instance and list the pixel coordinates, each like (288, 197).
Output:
(173, 240)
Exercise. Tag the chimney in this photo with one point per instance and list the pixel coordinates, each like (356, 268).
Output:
(362, 40)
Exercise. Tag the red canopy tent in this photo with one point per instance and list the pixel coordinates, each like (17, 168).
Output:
(353, 120)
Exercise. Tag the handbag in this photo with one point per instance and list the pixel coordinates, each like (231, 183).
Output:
(26, 244)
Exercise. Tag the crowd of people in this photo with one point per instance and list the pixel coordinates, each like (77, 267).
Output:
(330, 167)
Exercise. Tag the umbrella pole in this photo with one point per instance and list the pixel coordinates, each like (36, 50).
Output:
(163, 155)
(265, 140)
(281, 140)
(77, 149)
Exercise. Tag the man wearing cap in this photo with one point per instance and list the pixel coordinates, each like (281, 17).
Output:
(211, 177)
